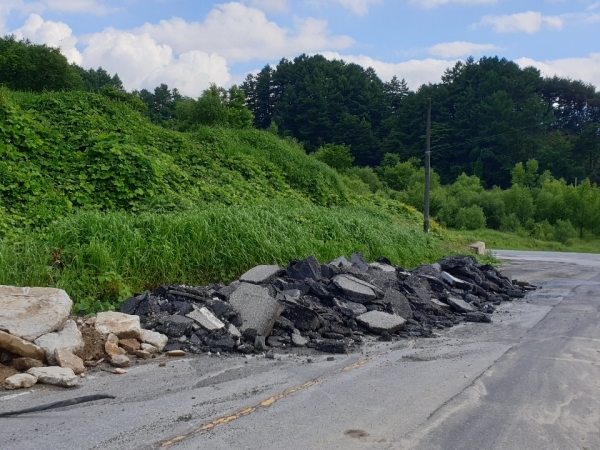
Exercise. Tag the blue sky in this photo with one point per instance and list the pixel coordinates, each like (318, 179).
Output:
(190, 44)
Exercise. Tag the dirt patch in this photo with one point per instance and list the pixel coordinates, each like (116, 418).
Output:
(5, 372)
(94, 344)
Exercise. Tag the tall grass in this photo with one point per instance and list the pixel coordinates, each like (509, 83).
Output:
(102, 258)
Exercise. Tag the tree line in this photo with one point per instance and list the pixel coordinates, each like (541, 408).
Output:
(503, 137)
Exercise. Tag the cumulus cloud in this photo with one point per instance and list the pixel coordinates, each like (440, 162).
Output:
(242, 33)
(527, 22)
(416, 71)
(141, 62)
(460, 48)
(434, 3)
(54, 34)
(583, 68)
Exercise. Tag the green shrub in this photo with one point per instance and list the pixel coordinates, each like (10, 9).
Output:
(510, 222)
(471, 218)
(564, 231)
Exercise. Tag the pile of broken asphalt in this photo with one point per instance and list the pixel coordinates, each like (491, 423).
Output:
(330, 307)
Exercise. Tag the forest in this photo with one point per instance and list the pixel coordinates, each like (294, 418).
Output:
(511, 150)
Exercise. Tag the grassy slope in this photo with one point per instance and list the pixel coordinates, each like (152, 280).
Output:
(96, 200)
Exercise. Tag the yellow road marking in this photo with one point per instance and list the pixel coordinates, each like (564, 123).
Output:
(264, 404)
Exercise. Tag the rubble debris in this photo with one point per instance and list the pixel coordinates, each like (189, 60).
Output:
(122, 325)
(120, 361)
(24, 364)
(20, 381)
(328, 307)
(29, 313)
(57, 376)
(68, 338)
(21, 347)
(66, 359)
(378, 321)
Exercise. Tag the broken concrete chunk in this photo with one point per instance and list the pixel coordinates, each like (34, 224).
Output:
(378, 321)
(358, 260)
(150, 348)
(175, 326)
(57, 376)
(233, 331)
(130, 345)
(298, 340)
(459, 305)
(256, 308)
(453, 281)
(66, 359)
(260, 274)
(122, 325)
(307, 268)
(440, 304)
(342, 261)
(155, 339)
(206, 319)
(350, 309)
(332, 346)
(382, 267)
(21, 347)
(354, 289)
(68, 338)
(478, 247)
(478, 316)
(20, 381)
(303, 318)
(120, 361)
(398, 303)
(29, 313)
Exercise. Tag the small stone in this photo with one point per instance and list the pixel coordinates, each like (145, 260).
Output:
(142, 354)
(20, 381)
(157, 340)
(162, 364)
(120, 371)
(122, 325)
(206, 319)
(176, 353)
(58, 376)
(233, 331)
(24, 364)
(120, 361)
(113, 349)
(66, 359)
(298, 340)
(149, 348)
(330, 358)
(82, 375)
(130, 345)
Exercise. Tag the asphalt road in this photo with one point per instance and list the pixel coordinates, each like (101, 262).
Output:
(530, 380)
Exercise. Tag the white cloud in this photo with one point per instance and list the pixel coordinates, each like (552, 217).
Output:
(54, 34)
(141, 62)
(459, 48)
(241, 33)
(433, 3)
(416, 72)
(584, 68)
(269, 5)
(528, 22)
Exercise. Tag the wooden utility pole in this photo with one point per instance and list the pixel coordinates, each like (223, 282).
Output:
(427, 168)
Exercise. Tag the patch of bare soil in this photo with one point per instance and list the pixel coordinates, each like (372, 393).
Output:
(94, 344)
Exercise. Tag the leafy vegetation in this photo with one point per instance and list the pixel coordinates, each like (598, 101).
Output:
(102, 258)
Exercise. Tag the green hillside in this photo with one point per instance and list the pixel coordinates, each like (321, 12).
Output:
(97, 200)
